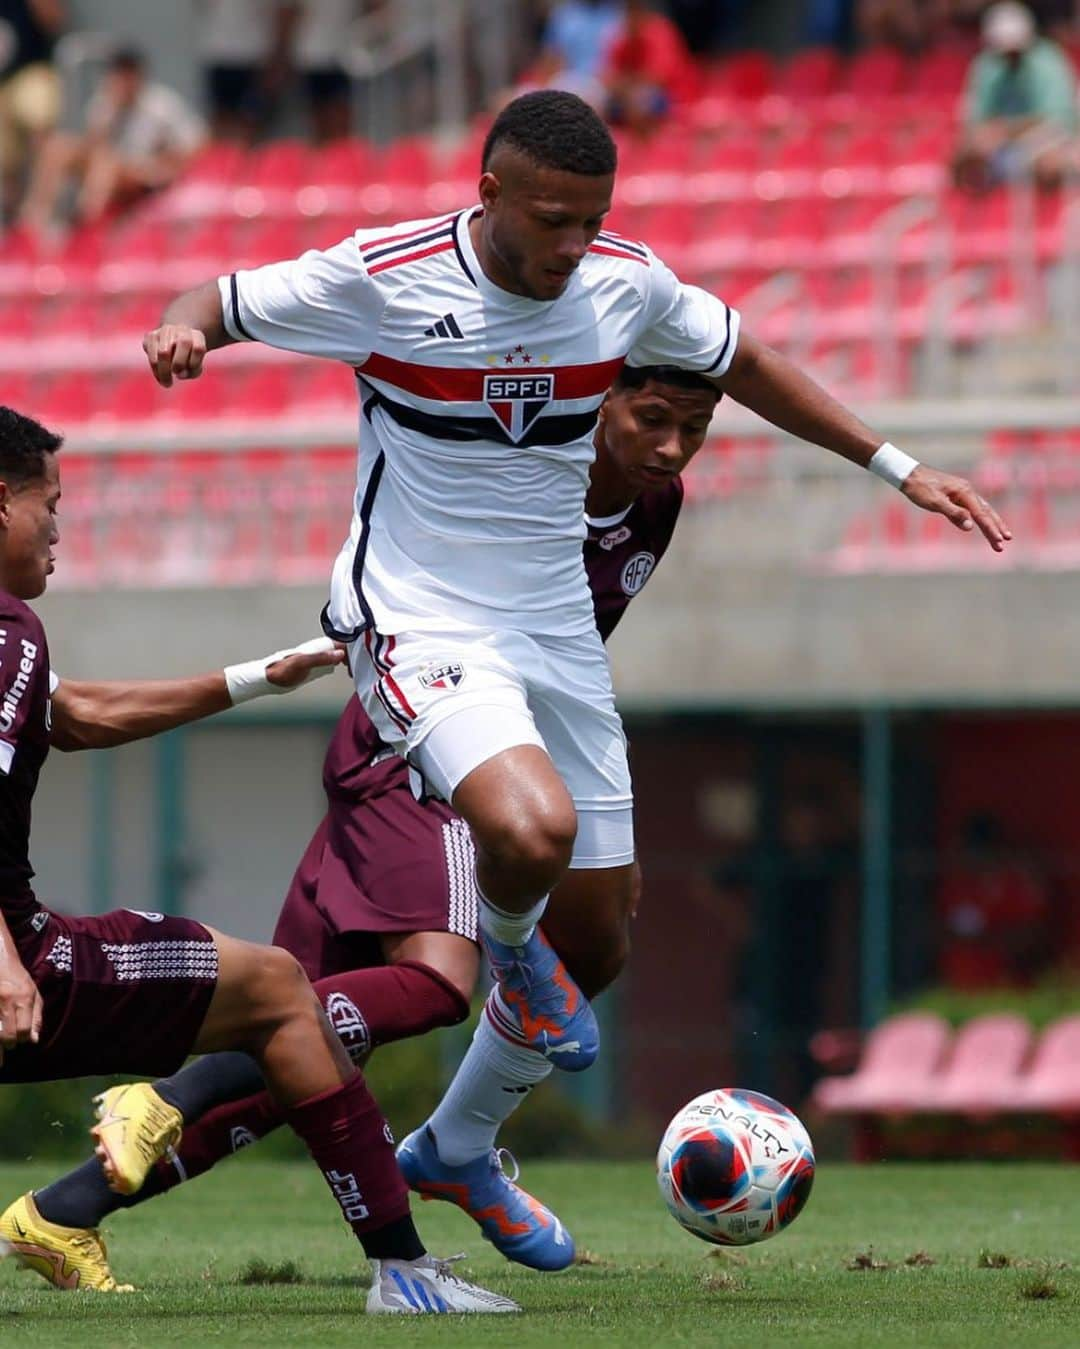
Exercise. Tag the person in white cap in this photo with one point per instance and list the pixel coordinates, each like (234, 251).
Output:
(1019, 105)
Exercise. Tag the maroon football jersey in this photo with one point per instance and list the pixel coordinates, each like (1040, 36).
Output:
(24, 741)
(621, 553)
(620, 556)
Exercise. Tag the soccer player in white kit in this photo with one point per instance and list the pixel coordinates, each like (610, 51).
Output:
(483, 342)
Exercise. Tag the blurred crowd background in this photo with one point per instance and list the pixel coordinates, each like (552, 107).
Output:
(855, 734)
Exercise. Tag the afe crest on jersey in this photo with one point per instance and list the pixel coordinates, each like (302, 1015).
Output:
(517, 398)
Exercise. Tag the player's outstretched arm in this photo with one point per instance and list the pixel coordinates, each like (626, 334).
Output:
(97, 716)
(770, 385)
(191, 326)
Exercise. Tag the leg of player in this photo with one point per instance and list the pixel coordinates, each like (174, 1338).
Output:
(453, 1156)
(523, 825)
(428, 981)
(264, 1005)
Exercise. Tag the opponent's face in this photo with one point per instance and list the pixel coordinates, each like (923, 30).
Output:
(28, 532)
(538, 223)
(652, 433)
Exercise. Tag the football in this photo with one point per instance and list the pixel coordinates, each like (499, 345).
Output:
(735, 1167)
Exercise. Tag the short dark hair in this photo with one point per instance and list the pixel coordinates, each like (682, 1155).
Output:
(637, 376)
(556, 130)
(24, 443)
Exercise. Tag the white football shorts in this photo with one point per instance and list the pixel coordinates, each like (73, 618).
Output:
(449, 702)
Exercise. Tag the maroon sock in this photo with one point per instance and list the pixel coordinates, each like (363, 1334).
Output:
(366, 1008)
(351, 1143)
(372, 1007)
(217, 1134)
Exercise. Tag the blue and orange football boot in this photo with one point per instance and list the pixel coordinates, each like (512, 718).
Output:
(515, 1223)
(538, 1005)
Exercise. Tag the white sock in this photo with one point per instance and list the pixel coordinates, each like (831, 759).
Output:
(491, 1082)
(514, 929)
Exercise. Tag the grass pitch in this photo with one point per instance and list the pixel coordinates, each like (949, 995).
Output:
(889, 1255)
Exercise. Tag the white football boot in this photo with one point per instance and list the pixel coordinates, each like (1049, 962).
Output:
(427, 1286)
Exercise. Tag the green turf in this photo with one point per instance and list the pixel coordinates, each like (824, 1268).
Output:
(645, 1282)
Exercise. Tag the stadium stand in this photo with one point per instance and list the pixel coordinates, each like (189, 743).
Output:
(813, 194)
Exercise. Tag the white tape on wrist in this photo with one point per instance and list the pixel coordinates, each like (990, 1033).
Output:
(893, 465)
(248, 679)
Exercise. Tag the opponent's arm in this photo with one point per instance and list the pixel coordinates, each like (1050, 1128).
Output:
(770, 385)
(20, 1002)
(192, 325)
(100, 715)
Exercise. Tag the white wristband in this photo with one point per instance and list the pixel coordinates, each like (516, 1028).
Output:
(892, 464)
(248, 680)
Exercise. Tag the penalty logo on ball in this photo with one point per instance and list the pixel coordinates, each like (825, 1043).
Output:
(735, 1167)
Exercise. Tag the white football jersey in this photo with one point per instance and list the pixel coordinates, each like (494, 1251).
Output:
(478, 413)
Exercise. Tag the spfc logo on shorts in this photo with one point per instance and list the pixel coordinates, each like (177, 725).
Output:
(517, 400)
(446, 676)
(636, 572)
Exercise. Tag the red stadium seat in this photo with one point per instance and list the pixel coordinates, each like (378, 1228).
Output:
(324, 387)
(941, 72)
(900, 1059)
(63, 401)
(197, 399)
(279, 164)
(17, 321)
(810, 74)
(135, 398)
(988, 1051)
(347, 163)
(273, 240)
(408, 161)
(1052, 1083)
(746, 75)
(258, 393)
(876, 73)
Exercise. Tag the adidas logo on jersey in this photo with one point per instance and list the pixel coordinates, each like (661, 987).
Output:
(444, 327)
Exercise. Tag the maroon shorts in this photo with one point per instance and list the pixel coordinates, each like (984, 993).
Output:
(386, 865)
(124, 992)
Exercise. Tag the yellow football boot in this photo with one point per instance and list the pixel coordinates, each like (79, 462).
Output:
(67, 1257)
(135, 1129)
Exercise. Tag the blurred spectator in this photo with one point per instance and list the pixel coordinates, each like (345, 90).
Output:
(574, 46)
(648, 68)
(30, 90)
(1020, 104)
(910, 24)
(243, 45)
(708, 24)
(996, 914)
(323, 35)
(139, 136)
(828, 22)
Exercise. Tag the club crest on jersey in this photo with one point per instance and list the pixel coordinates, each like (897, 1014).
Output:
(636, 572)
(446, 676)
(518, 399)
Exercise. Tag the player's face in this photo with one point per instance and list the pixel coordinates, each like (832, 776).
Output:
(28, 517)
(652, 433)
(538, 223)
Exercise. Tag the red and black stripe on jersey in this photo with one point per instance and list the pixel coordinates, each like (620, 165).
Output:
(615, 246)
(448, 385)
(379, 255)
